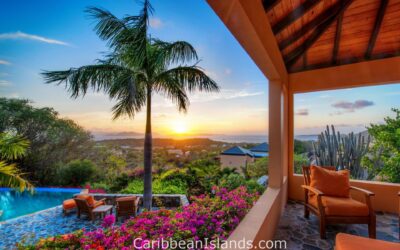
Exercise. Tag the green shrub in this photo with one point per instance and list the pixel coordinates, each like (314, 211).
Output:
(299, 162)
(76, 172)
(120, 183)
(258, 168)
(100, 185)
(175, 173)
(134, 187)
(174, 186)
(234, 181)
(253, 186)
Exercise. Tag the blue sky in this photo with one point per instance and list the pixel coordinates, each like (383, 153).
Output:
(56, 35)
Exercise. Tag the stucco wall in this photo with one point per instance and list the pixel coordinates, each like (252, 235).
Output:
(235, 161)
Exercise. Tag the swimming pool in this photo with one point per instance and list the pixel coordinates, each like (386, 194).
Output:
(14, 203)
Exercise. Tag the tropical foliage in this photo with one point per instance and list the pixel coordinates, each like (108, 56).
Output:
(136, 68)
(299, 161)
(77, 173)
(12, 148)
(257, 168)
(383, 159)
(174, 186)
(207, 217)
(53, 140)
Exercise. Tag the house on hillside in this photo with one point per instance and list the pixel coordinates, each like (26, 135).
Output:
(237, 156)
(261, 150)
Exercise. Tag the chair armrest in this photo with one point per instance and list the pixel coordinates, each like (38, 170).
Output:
(366, 192)
(368, 195)
(313, 190)
(99, 202)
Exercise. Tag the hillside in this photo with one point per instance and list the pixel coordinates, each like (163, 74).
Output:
(164, 142)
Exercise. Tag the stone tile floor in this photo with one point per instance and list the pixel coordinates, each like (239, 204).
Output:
(301, 233)
(41, 224)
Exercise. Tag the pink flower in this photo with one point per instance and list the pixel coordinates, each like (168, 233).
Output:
(108, 221)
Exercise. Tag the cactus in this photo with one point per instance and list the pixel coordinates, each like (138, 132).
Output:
(343, 152)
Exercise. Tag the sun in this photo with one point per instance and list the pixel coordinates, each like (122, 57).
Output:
(180, 127)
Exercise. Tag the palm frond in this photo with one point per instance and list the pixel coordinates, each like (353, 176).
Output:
(139, 45)
(79, 80)
(128, 32)
(176, 52)
(130, 95)
(191, 78)
(108, 26)
(12, 147)
(171, 88)
(11, 177)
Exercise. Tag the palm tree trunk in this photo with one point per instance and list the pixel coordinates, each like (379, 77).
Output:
(148, 152)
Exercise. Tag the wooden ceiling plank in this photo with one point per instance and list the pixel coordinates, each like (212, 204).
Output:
(292, 57)
(311, 25)
(377, 26)
(269, 4)
(294, 15)
(337, 39)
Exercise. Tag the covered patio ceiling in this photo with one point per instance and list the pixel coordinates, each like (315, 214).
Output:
(313, 34)
(305, 46)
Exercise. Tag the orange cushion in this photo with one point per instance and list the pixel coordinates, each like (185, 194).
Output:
(331, 183)
(127, 198)
(69, 204)
(86, 197)
(339, 206)
(352, 242)
(91, 200)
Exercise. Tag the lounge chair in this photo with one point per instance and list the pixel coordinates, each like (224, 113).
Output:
(351, 242)
(86, 204)
(127, 206)
(327, 195)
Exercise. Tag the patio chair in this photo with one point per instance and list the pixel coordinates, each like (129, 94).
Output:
(86, 204)
(327, 195)
(127, 206)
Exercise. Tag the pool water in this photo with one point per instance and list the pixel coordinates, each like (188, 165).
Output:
(14, 203)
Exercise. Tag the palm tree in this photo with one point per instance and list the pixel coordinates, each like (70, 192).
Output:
(12, 147)
(137, 67)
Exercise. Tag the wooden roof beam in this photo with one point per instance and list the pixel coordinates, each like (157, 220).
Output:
(270, 4)
(292, 57)
(337, 39)
(294, 15)
(367, 73)
(377, 27)
(322, 17)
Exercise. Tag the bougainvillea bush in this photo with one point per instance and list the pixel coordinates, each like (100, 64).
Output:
(206, 218)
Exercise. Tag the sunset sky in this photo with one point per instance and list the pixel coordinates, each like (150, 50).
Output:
(56, 35)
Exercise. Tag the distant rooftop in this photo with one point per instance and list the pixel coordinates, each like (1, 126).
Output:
(263, 147)
(258, 151)
(237, 150)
